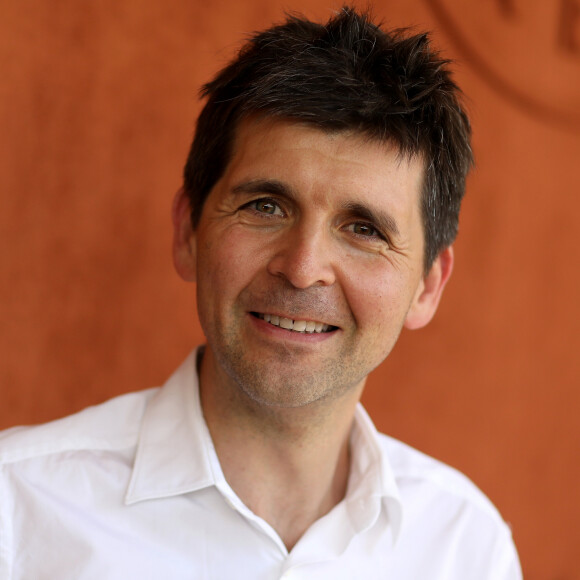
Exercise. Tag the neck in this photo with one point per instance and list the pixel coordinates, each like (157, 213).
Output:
(290, 466)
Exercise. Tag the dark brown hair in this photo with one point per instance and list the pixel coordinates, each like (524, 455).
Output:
(348, 74)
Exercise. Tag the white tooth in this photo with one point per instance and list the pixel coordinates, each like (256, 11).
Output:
(324, 327)
(318, 326)
(286, 323)
(267, 317)
(310, 326)
(275, 320)
(299, 325)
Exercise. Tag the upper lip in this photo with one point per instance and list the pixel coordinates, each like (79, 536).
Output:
(318, 307)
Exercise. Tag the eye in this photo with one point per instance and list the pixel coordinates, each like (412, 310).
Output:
(264, 206)
(364, 230)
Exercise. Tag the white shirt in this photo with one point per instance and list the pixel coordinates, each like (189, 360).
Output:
(133, 489)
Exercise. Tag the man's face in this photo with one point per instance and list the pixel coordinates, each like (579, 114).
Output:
(309, 260)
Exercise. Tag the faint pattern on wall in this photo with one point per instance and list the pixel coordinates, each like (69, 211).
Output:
(528, 51)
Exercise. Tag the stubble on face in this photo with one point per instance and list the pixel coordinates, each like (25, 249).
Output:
(287, 374)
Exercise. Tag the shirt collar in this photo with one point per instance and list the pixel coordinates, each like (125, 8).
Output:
(174, 447)
(175, 454)
(372, 483)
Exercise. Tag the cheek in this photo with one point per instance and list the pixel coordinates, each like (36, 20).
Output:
(379, 297)
(226, 263)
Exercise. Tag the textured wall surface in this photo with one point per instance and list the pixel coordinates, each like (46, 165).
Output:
(97, 107)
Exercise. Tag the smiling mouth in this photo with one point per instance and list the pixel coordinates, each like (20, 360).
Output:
(302, 326)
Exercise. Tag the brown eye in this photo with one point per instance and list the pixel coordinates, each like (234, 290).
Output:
(265, 206)
(364, 230)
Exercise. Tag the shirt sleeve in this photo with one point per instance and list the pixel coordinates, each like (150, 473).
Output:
(5, 528)
(506, 562)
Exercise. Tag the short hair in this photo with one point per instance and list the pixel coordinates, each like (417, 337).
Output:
(348, 74)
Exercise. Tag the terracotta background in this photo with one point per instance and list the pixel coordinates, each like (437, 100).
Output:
(97, 108)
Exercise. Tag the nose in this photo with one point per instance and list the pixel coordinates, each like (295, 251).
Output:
(304, 258)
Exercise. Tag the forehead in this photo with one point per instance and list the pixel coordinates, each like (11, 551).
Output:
(334, 163)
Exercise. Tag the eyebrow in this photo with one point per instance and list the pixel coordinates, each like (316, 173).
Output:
(272, 186)
(385, 222)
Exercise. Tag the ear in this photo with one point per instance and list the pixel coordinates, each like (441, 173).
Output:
(184, 242)
(429, 292)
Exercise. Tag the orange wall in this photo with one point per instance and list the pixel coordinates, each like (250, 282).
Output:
(97, 102)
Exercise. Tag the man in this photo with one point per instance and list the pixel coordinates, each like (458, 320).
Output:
(320, 201)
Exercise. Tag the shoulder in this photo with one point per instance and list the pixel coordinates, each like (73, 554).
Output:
(414, 471)
(444, 512)
(111, 425)
(441, 502)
